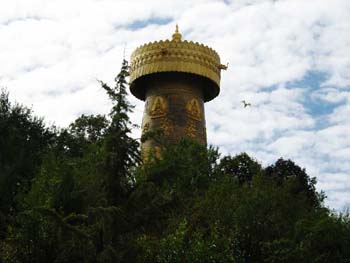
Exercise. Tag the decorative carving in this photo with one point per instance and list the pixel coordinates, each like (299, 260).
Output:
(158, 108)
(191, 130)
(194, 110)
(144, 153)
(145, 128)
(180, 62)
(167, 126)
(224, 67)
(158, 152)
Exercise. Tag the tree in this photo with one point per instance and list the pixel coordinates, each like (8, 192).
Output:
(92, 128)
(261, 218)
(122, 150)
(287, 172)
(240, 167)
(78, 193)
(23, 141)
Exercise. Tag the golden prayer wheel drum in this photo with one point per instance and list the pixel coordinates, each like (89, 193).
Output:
(174, 78)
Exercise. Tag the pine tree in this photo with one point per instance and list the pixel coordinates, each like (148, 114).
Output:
(122, 150)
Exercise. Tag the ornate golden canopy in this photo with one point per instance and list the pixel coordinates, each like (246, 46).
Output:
(175, 56)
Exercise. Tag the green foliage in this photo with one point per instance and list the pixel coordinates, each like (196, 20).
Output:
(80, 195)
(286, 171)
(185, 168)
(233, 210)
(184, 245)
(240, 167)
(122, 150)
(91, 128)
(23, 140)
(77, 194)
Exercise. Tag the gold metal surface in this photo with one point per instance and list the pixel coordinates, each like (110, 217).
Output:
(167, 126)
(145, 128)
(175, 56)
(193, 109)
(191, 129)
(177, 36)
(158, 108)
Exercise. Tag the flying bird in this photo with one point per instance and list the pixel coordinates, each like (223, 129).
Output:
(246, 104)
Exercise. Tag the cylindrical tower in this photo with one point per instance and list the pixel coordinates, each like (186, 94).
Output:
(174, 78)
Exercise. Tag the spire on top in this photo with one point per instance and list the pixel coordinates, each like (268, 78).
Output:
(177, 36)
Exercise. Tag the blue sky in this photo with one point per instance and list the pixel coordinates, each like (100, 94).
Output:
(289, 58)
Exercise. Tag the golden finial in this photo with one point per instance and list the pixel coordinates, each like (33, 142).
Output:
(177, 36)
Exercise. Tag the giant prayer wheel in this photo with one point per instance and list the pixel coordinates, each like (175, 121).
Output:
(174, 78)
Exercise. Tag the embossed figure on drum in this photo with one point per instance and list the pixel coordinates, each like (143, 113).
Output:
(175, 78)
